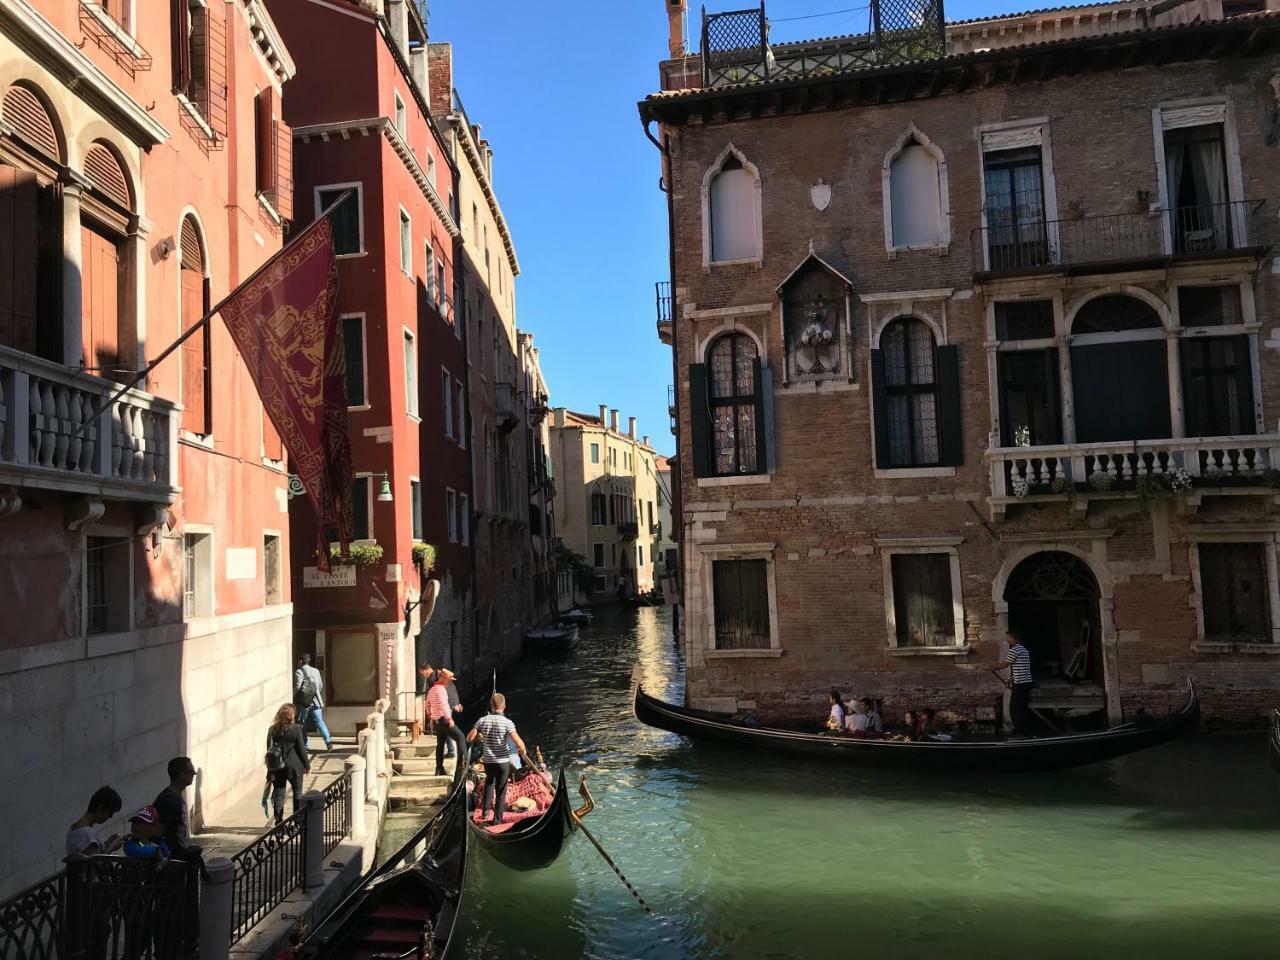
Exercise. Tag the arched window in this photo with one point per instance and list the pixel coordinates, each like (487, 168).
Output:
(104, 226)
(195, 349)
(733, 211)
(917, 208)
(1119, 371)
(25, 112)
(911, 393)
(727, 409)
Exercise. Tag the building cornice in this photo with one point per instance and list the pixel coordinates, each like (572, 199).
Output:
(44, 44)
(345, 129)
(472, 150)
(268, 39)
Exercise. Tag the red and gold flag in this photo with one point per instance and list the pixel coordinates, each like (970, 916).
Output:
(282, 320)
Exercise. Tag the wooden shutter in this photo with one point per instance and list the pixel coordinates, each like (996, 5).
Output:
(699, 420)
(764, 417)
(195, 356)
(179, 28)
(23, 111)
(106, 175)
(1121, 391)
(213, 96)
(283, 167)
(880, 402)
(263, 116)
(272, 446)
(951, 446)
(100, 301)
(1244, 384)
(18, 248)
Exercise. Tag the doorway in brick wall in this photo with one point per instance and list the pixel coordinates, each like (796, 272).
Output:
(1053, 600)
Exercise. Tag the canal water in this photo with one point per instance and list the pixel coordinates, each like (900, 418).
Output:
(1173, 853)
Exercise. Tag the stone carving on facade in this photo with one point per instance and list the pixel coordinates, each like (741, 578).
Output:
(815, 322)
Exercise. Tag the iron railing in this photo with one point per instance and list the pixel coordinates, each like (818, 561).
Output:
(337, 813)
(1109, 238)
(106, 908)
(662, 298)
(266, 872)
(628, 531)
(735, 44)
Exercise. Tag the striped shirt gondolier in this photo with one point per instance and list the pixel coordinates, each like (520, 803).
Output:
(438, 702)
(1020, 657)
(494, 729)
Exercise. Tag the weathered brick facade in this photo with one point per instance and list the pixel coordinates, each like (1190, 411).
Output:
(826, 519)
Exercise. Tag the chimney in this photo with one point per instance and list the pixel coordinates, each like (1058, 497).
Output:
(418, 64)
(675, 17)
(645, 441)
(604, 415)
(440, 78)
(398, 25)
(559, 417)
(613, 420)
(631, 427)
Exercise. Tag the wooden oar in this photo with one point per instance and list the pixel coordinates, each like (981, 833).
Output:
(582, 789)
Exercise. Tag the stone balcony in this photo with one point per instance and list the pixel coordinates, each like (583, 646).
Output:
(1188, 467)
(55, 435)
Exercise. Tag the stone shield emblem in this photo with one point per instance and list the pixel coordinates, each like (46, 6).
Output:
(820, 194)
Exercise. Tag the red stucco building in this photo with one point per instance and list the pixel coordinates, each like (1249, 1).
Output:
(396, 238)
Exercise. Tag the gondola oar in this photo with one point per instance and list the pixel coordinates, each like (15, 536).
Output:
(577, 819)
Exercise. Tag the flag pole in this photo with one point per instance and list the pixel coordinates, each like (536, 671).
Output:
(198, 325)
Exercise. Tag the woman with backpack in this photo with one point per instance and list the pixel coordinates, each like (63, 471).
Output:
(286, 759)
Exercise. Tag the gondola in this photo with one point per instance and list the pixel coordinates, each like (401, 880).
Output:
(997, 755)
(408, 906)
(1273, 741)
(535, 842)
(552, 638)
(578, 616)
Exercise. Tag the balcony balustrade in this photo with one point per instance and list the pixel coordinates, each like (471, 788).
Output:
(1121, 466)
(1088, 242)
(55, 434)
(628, 531)
(504, 405)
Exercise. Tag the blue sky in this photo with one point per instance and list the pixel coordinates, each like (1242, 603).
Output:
(554, 85)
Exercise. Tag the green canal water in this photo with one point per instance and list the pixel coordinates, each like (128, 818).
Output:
(1174, 853)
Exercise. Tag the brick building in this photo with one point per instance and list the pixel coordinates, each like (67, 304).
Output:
(144, 173)
(396, 238)
(972, 330)
(544, 605)
(606, 498)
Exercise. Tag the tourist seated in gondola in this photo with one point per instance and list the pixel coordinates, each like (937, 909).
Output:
(931, 727)
(835, 718)
(855, 723)
(875, 725)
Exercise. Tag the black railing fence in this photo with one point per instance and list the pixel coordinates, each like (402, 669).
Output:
(106, 908)
(1004, 244)
(266, 872)
(337, 813)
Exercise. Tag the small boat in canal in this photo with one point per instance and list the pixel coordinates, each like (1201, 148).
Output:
(1273, 741)
(994, 755)
(409, 905)
(552, 638)
(578, 616)
(531, 838)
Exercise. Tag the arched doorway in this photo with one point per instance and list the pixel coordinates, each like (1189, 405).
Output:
(1053, 604)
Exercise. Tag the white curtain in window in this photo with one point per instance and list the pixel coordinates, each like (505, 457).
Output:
(735, 234)
(915, 197)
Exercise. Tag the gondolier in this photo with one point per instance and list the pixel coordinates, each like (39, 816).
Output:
(440, 713)
(493, 730)
(1020, 682)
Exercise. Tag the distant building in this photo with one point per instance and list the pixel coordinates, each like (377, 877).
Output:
(144, 549)
(973, 331)
(668, 558)
(606, 499)
(545, 600)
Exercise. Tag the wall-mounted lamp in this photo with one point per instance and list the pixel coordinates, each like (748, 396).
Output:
(384, 489)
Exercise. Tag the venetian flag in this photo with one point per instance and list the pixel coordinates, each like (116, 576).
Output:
(283, 322)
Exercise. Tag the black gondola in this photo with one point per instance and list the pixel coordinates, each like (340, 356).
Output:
(1273, 741)
(401, 909)
(1012, 755)
(534, 843)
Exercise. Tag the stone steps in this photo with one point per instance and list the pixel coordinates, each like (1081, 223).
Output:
(418, 790)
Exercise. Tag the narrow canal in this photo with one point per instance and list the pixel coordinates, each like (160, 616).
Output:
(1168, 854)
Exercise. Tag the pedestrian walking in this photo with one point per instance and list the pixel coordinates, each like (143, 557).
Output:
(83, 838)
(1021, 681)
(455, 704)
(440, 713)
(286, 759)
(493, 730)
(308, 695)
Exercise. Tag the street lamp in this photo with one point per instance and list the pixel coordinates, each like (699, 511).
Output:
(384, 489)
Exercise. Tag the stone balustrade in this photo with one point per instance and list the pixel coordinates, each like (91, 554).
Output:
(57, 434)
(1101, 467)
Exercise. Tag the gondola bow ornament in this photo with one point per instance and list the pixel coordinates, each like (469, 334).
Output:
(283, 323)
